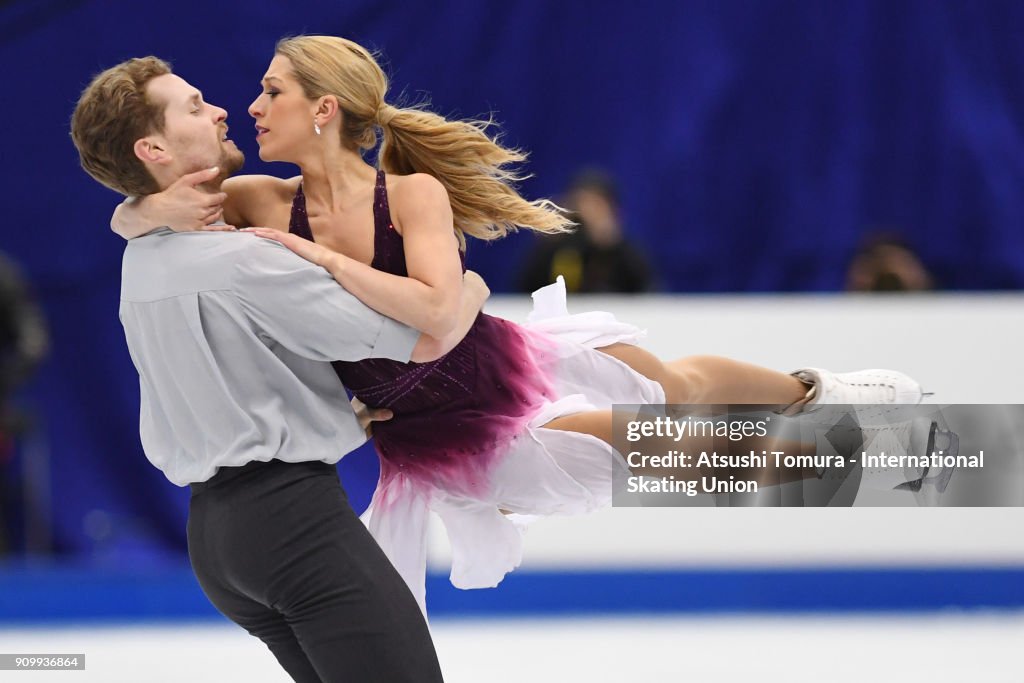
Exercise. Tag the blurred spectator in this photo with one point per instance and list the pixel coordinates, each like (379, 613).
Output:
(886, 263)
(596, 257)
(24, 342)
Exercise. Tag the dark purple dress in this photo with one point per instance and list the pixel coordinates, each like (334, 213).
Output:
(450, 415)
(467, 440)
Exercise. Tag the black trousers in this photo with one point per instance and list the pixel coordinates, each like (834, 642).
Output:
(278, 550)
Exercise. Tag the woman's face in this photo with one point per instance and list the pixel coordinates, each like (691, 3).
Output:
(284, 116)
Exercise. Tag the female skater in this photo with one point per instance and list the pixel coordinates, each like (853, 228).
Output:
(513, 419)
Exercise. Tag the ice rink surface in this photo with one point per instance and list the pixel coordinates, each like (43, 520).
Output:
(941, 647)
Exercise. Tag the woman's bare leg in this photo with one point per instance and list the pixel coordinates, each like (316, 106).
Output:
(599, 424)
(711, 379)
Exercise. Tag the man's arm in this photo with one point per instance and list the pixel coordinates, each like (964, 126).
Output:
(298, 305)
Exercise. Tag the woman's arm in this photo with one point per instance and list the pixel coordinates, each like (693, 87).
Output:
(182, 206)
(474, 294)
(428, 299)
(243, 201)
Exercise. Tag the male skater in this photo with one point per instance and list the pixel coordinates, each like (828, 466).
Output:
(232, 337)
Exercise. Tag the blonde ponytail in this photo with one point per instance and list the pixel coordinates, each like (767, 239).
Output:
(474, 168)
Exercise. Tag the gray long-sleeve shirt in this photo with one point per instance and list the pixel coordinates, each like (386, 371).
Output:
(232, 337)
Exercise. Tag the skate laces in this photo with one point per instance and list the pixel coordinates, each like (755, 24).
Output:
(846, 391)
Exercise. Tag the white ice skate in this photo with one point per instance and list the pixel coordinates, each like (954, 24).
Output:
(864, 387)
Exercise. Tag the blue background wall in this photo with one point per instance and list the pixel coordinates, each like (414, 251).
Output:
(755, 142)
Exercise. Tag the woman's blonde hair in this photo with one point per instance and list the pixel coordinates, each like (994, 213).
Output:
(473, 167)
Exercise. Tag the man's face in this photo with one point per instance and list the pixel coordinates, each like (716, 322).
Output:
(195, 132)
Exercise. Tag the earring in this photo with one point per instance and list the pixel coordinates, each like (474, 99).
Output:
(316, 127)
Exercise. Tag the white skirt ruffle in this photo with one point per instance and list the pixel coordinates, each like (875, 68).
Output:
(541, 472)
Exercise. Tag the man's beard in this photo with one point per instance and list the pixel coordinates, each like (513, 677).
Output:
(231, 161)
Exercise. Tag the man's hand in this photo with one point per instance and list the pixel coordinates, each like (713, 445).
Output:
(367, 416)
